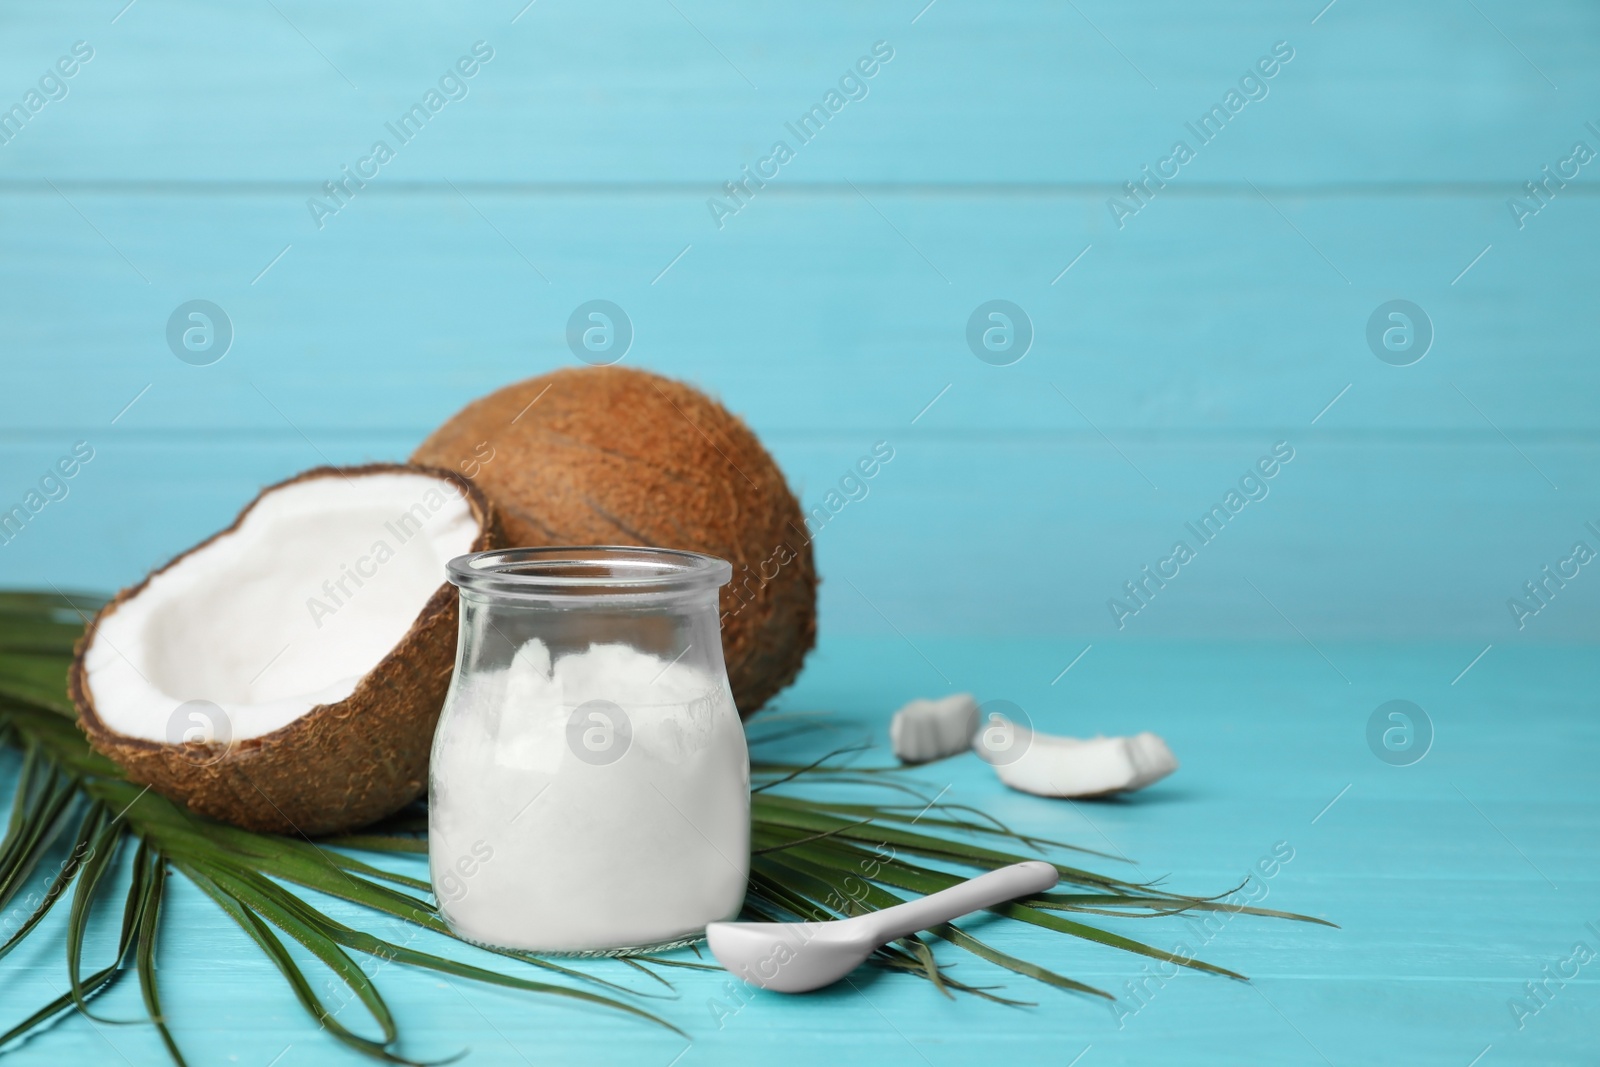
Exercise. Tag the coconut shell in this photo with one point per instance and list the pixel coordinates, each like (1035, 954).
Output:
(610, 455)
(338, 767)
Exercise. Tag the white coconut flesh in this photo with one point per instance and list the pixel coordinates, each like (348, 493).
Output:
(926, 730)
(1052, 766)
(290, 610)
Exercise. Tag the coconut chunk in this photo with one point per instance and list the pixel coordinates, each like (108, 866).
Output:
(927, 730)
(1051, 766)
(318, 627)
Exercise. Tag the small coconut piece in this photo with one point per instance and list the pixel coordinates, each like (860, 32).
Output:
(286, 674)
(1052, 766)
(616, 456)
(927, 730)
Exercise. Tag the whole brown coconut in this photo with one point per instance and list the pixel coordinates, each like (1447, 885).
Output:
(608, 455)
(194, 697)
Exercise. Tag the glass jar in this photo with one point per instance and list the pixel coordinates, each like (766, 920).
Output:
(589, 790)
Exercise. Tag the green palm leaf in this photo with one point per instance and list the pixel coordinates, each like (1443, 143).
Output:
(812, 859)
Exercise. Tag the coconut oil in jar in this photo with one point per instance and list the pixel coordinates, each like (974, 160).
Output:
(589, 789)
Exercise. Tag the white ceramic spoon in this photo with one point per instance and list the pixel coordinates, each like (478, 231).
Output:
(799, 957)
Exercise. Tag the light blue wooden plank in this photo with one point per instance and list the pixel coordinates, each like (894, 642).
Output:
(1380, 540)
(640, 92)
(810, 313)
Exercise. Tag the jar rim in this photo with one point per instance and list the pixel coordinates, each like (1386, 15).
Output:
(587, 570)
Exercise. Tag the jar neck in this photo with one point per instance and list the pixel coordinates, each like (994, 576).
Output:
(541, 605)
(596, 572)
(672, 602)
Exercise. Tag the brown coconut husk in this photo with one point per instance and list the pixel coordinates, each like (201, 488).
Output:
(611, 455)
(336, 768)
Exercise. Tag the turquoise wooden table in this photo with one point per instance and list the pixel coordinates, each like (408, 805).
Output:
(1200, 218)
(1456, 881)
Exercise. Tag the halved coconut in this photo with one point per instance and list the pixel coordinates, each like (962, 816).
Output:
(286, 674)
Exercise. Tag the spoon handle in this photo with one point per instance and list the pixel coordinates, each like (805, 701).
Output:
(984, 891)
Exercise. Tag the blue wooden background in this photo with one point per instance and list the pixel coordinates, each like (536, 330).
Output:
(1170, 352)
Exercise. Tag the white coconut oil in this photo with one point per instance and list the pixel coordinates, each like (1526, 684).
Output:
(593, 801)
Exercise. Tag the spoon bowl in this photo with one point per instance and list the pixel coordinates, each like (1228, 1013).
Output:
(791, 957)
